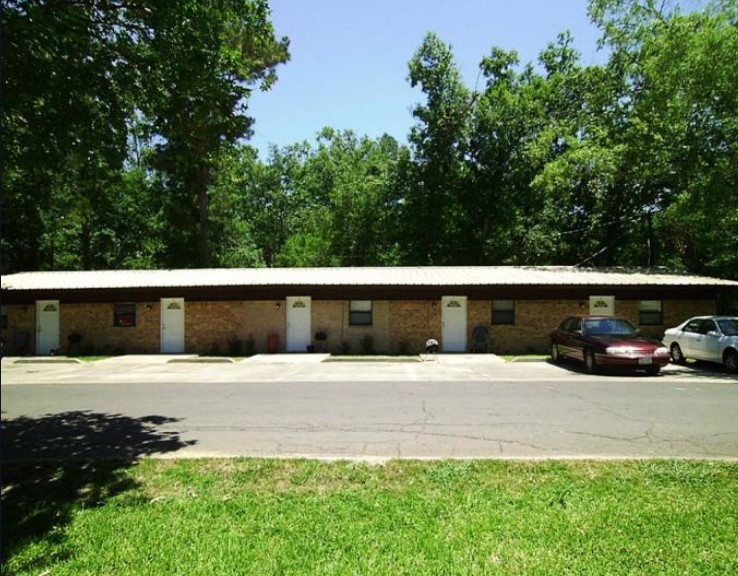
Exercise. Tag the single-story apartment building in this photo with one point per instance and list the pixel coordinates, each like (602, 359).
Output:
(392, 310)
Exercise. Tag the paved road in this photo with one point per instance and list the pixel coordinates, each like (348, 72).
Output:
(460, 406)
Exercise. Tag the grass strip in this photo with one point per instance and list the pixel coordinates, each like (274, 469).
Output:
(263, 516)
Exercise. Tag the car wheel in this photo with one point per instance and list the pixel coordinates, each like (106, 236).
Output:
(653, 370)
(731, 361)
(555, 357)
(676, 354)
(589, 361)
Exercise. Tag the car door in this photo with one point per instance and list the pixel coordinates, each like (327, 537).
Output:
(689, 338)
(572, 336)
(707, 345)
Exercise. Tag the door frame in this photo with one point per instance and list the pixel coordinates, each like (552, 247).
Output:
(453, 336)
(179, 347)
(298, 335)
(52, 343)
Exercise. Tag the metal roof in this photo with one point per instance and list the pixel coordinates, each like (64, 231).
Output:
(427, 276)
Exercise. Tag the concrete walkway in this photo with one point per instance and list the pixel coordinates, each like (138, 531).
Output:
(262, 367)
(152, 369)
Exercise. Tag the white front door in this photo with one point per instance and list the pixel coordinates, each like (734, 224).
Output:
(172, 325)
(47, 327)
(298, 323)
(453, 319)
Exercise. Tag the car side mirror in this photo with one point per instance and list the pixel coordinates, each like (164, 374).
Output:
(713, 333)
(578, 332)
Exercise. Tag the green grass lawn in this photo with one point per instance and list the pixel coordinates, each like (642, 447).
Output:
(252, 516)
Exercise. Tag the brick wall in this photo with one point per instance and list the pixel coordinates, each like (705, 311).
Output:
(534, 319)
(674, 313)
(94, 323)
(411, 323)
(237, 328)
(332, 318)
(19, 337)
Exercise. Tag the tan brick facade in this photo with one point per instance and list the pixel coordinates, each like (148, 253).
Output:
(94, 323)
(245, 327)
(235, 328)
(18, 336)
(412, 323)
(332, 318)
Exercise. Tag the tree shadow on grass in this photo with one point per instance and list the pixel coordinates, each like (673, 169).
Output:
(58, 463)
(703, 371)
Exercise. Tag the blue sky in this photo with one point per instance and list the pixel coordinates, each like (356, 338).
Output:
(348, 67)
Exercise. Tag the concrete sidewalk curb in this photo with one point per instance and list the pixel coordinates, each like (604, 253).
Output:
(203, 360)
(297, 358)
(48, 360)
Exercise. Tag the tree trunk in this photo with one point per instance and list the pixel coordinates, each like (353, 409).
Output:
(202, 178)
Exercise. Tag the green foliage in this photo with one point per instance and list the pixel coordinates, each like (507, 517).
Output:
(202, 63)
(143, 108)
(85, 79)
(434, 210)
(329, 205)
(233, 242)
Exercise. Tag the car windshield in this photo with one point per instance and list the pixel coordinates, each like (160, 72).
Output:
(729, 326)
(609, 327)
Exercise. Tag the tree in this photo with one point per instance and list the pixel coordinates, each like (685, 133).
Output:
(67, 94)
(434, 211)
(202, 60)
(360, 214)
(678, 106)
(231, 219)
(692, 112)
(93, 75)
(506, 119)
(574, 185)
(331, 204)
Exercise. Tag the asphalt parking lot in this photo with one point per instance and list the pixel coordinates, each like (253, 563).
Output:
(311, 405)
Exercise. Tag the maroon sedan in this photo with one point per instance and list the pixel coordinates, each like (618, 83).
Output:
(606, 341)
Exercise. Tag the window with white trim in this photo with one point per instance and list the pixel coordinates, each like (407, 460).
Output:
(651, 313)
(503, 312)
(360, 313)
(124, 315)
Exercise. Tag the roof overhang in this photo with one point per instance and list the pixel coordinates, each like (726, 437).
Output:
(399, 283)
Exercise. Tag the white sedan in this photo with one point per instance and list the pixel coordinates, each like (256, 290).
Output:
(711, 338)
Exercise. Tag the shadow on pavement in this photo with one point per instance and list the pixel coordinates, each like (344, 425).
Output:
(701, 371)
(697, 370)
(57, 463)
